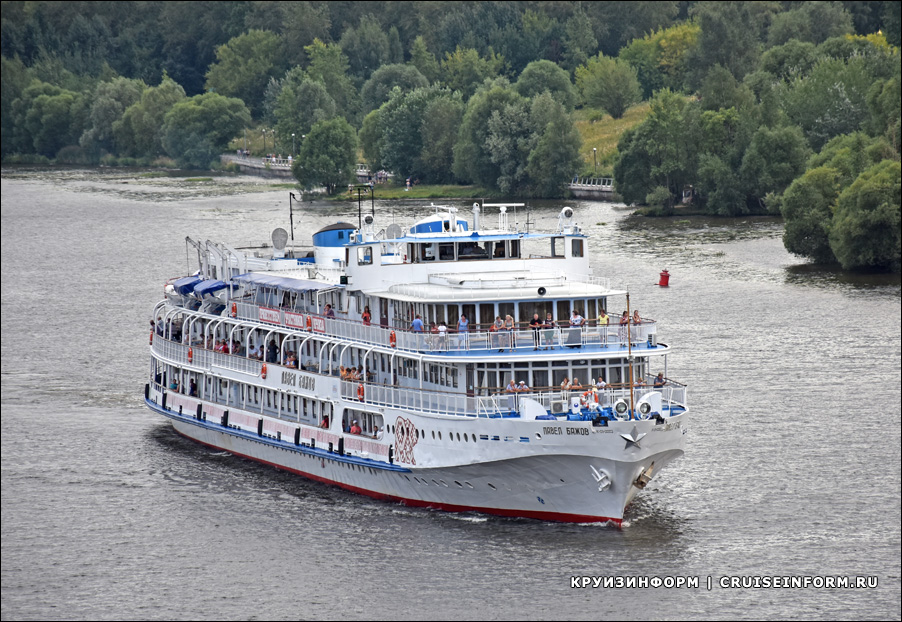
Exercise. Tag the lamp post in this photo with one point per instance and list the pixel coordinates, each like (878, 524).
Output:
(264, 143)
(293, 150)
(595, 157)
(291, 213)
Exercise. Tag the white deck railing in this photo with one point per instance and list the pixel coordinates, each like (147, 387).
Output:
(452, 342)
(458, 404)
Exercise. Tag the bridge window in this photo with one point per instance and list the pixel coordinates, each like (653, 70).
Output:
(515, 248)
(365, 256)
(446, 252)
(577, 248)
(557, 247)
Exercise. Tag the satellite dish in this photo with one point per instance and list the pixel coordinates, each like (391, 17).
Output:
(393, 232)
(279, 239)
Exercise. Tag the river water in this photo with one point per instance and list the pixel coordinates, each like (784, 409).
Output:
(792, 465)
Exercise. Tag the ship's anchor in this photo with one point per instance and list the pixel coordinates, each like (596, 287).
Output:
(644, 477)
(604, 481)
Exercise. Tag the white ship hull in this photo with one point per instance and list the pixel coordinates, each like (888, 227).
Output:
(559, 482)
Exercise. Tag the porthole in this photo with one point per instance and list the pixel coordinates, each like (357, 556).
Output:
(439, 435)
(465, 437)
(433, 435)
(538, 436)
(492, 487)
(459, 485)
(458, 437)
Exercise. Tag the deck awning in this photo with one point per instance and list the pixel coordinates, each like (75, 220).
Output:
(206, 288)
(283, 282)
(185, 285)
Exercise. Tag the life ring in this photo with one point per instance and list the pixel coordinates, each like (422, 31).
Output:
(360, 391)
(151, 337)
(393, 339)
(190, 355)
(309, 323)
(234, 310)
(263, 371)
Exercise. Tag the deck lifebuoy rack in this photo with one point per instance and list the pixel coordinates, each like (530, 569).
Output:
(234, 310)
(263, 371)
(190, 355)
(393, 339)
(360, 391)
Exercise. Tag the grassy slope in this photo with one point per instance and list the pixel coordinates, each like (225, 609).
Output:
(603, 134)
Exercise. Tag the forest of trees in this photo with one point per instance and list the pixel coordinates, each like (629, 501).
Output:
(788, 108)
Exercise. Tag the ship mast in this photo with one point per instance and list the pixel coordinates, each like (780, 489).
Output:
(629, 343)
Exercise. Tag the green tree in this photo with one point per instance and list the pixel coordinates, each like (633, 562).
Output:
(865, 233)
(377, 89)
(812, 22)
(139, 131)
(196, 130)
(14, 79)
(654, 153)
(423, 59)
(367, 48)
(831, 100)
(465, 71)
(793, 59)
(110, 101)
(370, 140)
(47, 118)
(728, 36)
(555, 157)
(579, 41)
(329, 65)
(608, 83)
(807, 208)
(244, 66)
(508, 144)
(328, 156)
(441, 121)
(300, 106)
(543, 75)
(661, 58)
(773, 160)
(472, 161)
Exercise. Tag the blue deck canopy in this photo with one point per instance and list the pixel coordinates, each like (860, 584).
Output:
(206, 288)
(185, 285)
(283, 282)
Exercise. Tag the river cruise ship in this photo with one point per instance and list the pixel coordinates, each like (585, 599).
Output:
(460, 364)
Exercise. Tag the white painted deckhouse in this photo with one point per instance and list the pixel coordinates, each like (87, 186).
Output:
(316, 363)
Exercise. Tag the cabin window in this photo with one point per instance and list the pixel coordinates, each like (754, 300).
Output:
(471, 250)
(446, 252)
(577, 248)
(427, 252)
(499, 251)
(365, 256)
(515, 248)
(557, 247)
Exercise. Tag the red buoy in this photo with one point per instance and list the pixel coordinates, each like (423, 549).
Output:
(665, 279)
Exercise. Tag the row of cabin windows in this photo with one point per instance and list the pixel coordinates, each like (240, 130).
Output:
(484, 314)
(491, 377)
(472, 250)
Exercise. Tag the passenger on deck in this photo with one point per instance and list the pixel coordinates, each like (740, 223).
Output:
(417, 324)
(343, 372)
(174, 385)
(512, 390)
(575, 385)
(366, 317)
(624, 327)
(565, 386)
(272, 352)
(509, 327)
(600, 384)
(535, 323)
(377, 433)
(548, 331)
(659, 380)
(495, 328)
(463, 325)
(576, 319)
(253, 353)
(523, 387)
(328, 312)
(355, 428)
(192, 388)
(442, 334)
(325, 422)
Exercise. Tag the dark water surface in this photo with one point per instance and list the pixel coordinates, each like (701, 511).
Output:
(792, 466)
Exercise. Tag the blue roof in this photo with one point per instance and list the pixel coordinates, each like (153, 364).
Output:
(185, 285)
(208, 287)
(285, 283)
